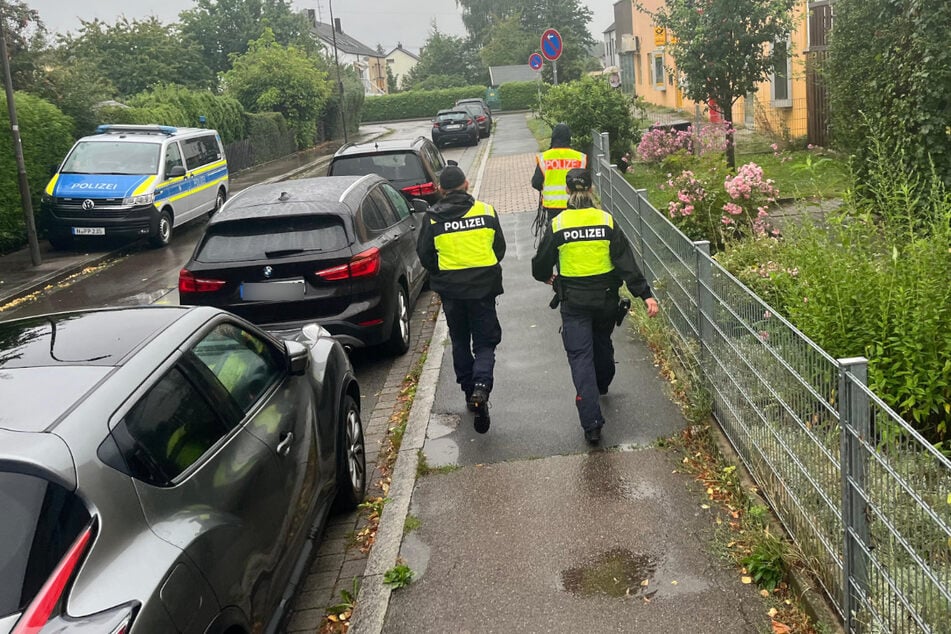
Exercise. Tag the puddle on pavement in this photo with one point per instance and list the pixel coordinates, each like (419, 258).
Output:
(615, 573)
(441, 448)
(415, 553)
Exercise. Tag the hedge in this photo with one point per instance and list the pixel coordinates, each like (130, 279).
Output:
(47, 135)
(521, 95)
(177, 106)
(416, 104)
(269, 136)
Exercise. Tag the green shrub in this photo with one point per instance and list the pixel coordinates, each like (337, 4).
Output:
(522, 95)
(46, 134)
(354, 100)
(591, 104)
(269, 136)
(416, 104)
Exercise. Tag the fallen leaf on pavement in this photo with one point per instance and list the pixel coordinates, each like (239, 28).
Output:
(747, 579)
(780, 628)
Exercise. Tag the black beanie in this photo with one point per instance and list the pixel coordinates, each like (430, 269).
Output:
(451, 177)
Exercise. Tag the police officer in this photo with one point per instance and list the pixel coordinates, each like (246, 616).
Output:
(593, 258)
(461, 244)
(551, 166)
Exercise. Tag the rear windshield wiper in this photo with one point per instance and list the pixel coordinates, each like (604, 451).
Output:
(282, 253)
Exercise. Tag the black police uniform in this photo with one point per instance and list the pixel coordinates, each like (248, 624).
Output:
(461, 244)
(593, 258)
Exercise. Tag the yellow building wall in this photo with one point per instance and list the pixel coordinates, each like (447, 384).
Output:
(759, 113)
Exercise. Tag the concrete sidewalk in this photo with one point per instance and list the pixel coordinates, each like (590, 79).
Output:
(527, 528)
(19, 278)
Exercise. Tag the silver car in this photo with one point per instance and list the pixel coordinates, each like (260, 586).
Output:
(167, 469)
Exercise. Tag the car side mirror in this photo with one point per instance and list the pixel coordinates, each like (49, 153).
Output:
(176, 172)
(420, 206)
(298, 356)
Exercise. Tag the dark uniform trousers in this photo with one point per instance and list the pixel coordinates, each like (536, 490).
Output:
(475, 332)
(587, 337)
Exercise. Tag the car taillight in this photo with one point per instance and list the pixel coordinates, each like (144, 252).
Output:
(480, 118)
(38, 613)
(188, 283)
(365, 264)
(435, 124)
(468, 121)
(424, 189)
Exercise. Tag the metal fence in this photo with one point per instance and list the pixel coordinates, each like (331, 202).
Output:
(864, 496)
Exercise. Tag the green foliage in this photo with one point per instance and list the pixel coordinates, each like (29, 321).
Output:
(508, 43)
(222, 28)
(451, 57)
(522, 95)
(591, 104)
(725, 49)
(265, 130)
(25, 35)
(416, 104)
(897, 77)
(46, 134)
(75, 86)
(766, 563)
(353, 99)
(496, 23)
(224, 114)
(398, 576)
(271, 77)
(348, 600)
(138, 54)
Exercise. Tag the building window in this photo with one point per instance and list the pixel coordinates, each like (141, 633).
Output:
(781, 81)
(658, 74)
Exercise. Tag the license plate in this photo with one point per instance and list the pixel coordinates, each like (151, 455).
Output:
(279, 290)
(454, 126)
(89, 231)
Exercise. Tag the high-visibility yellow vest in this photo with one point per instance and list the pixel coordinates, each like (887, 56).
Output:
(466, 242)
(583, 237)
(554, 164)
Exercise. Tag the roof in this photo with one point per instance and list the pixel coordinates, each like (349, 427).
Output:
(499, 75)
(403, 50)
(610, 28)
(345, 43)
(291, 198)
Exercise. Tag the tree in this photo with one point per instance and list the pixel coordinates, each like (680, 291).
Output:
(508, 43)
(724, 49)
(136, 55)
(591, 104)
(484, 19)
(75, 86)
(271, 77)
(222, 28)
(893, 80)
(25, 36)
(446, 55)
(392, 85)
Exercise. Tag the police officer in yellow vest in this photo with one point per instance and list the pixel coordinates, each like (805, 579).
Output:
(593, 259)
(551, 167)
(461, 245)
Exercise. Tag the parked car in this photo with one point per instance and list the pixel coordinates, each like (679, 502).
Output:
(338, 250)
(480, 113)
(481, 102)
(454, 126)
(167, 469)
(411, 165)
(135, 181)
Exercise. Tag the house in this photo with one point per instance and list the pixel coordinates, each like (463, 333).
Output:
(609, 59)
(369, 64)
(779, 106)
(499, 75)
(400, 61)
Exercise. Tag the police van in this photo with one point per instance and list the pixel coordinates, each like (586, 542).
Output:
(135, 181)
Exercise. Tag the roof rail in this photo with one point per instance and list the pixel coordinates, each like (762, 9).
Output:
(112, 128)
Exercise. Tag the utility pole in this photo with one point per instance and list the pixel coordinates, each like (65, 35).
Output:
(333, 31)
(18, 149)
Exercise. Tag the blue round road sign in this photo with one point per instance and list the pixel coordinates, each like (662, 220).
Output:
(552, 44)
(535, 61)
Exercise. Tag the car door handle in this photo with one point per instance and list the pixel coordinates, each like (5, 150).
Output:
(284, 447)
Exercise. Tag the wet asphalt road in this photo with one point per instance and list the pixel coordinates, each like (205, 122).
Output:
(140, 275)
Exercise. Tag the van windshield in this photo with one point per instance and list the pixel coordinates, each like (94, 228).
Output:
(113, 157)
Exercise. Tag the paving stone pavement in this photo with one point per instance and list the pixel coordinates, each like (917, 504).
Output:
(507, 183)
(338, 561)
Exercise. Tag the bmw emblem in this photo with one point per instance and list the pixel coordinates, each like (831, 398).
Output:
(268, 271)
(88, 205)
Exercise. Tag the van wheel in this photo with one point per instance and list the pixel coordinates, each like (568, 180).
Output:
(163, 231)
(219, 201)
(398, 342)
(60, 242)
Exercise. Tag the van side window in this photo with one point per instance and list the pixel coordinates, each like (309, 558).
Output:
(173, 158)
(201, 151)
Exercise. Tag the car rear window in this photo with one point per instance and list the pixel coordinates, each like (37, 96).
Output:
(452, 116)
(399, 168)
(255, 239)
(39, 522)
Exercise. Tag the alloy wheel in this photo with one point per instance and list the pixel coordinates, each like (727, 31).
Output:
(356, 460)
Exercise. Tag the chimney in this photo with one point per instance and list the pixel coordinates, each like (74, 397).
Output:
(337, 26)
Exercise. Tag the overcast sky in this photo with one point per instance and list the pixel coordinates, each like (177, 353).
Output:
(372, 22)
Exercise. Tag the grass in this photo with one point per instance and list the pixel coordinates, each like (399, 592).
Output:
(541, 131)
(423, 468)
(411, 523)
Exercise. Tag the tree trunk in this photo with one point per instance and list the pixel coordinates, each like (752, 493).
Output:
(727, 112)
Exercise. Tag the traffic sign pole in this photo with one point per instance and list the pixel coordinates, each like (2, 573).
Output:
(554, 72)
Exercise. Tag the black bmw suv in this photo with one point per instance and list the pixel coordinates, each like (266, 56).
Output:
(411, 165)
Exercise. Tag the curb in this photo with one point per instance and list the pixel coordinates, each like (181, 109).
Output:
(477, 184)
(374, 596)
